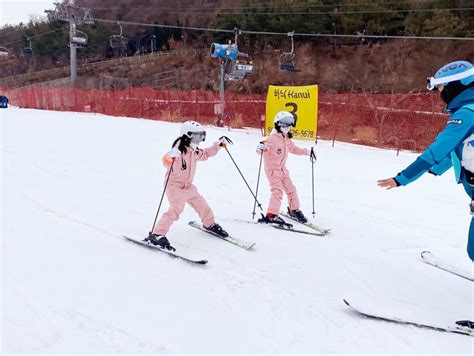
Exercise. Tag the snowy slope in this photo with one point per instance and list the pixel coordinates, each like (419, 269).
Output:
(73, 184)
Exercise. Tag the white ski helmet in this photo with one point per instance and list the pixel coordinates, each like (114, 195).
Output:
(284, 119)
(190, 127)
(451, 72)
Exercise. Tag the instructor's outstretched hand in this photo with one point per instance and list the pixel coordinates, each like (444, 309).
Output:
(388, 183)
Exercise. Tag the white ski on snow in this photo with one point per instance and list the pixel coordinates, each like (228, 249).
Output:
(292, 229)
(433, 260)
(171, 253)
(286, 227)
(367, 312)
(308, 224)
(237, 242)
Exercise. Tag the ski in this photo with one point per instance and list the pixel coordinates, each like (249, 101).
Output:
(431, 259)
(377, 316)
(308, 224)
(240, 243)
(285, 227)
(292, 229)
(171, 253)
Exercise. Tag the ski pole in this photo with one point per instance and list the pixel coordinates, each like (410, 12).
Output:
(162, 196)
(312, 158)
(256, 190)
(236, 166)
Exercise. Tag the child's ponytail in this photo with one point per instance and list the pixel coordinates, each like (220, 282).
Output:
(184, 142)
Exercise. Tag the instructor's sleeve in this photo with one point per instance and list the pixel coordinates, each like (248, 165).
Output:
(441, 167)
(433, 158)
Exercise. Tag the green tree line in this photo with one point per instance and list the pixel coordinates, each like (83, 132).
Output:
(348, 17)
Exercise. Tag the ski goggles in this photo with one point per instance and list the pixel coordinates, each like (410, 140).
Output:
(432, 82)
(198, 136)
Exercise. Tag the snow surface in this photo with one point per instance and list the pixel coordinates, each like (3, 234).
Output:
(73, 184)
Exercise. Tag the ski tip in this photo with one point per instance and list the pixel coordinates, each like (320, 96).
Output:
(424, 253)
(129, 238)
(250, 247)
(195, 224)
(346, 302)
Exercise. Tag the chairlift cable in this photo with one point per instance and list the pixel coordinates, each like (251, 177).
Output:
(10, 32)
(131, 23)
(38, 35)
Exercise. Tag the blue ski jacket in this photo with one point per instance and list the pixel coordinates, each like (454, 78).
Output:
(3, 101)
(446, 151)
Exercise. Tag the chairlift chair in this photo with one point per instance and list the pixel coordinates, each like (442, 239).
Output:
(28, 50)
(79, 39)
(242, 67)
(117, 41)
(287, 59)
(240, 70)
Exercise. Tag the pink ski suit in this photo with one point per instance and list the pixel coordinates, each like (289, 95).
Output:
(180, 189)
(277, 146)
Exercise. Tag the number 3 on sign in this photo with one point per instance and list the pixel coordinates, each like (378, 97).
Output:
(294, 109)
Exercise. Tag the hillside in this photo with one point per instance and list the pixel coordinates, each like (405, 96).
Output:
(394, 67)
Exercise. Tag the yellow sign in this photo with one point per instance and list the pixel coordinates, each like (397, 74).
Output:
(302, 102)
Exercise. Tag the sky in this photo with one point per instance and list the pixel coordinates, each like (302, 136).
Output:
(16, 11)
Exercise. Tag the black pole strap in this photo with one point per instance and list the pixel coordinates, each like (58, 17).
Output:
(162, 196)
(312, 155)
(229, 141)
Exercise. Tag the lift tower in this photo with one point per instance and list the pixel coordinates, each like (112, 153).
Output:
(76, 16)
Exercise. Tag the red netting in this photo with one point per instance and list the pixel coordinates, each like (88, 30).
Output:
(407, 121)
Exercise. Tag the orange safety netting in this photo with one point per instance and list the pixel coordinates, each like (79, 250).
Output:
(406, 121)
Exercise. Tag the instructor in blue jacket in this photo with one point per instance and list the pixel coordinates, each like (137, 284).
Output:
(3, 102)
(454, 146)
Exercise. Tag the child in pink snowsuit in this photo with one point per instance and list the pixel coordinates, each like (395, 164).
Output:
(181, 162)
(275, 149)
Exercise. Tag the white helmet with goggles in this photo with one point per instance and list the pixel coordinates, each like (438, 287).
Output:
(461, 71)
(284, 119)
(193, 130)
